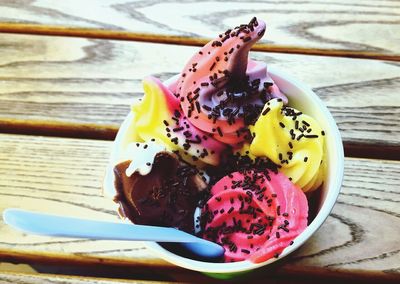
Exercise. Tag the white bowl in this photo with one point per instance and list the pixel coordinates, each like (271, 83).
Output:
(300, 97)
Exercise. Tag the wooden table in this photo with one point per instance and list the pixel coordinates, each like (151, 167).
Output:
(69, 70)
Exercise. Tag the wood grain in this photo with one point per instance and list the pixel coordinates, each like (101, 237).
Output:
(314, 25)
(83, 88)
(36, 29)
(24, 278)
(46, 278)
(63, 176)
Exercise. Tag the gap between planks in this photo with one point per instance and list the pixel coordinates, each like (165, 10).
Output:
(280, 272)
(36, 278)
(49, 30)
(108, 132)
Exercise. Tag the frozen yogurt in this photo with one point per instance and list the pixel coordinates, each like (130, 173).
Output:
(255, 215)
(223, 138)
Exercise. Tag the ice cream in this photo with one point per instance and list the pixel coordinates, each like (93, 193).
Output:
(292, 140)
(225, 118)
(254, 215)
(158, 116)
(167, 195)
(221, 91)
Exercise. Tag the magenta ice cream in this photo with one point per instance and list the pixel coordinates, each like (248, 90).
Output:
(254, 214)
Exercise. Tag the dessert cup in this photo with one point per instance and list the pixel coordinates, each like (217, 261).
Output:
(300, 97)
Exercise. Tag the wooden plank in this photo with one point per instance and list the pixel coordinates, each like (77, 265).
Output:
(46, 278)
(83, 88)
(36, 29)
(24, 278)
(63, 176)
(311, 25)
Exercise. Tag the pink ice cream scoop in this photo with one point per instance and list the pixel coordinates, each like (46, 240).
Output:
(254, 215)
(220, 90)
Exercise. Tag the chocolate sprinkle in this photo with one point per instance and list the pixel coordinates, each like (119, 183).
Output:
(197, 104)
(177, 129)
(206, 107)
(266, 111)
(220, 132)
(212, 66)
(246, 39)
(311, 136)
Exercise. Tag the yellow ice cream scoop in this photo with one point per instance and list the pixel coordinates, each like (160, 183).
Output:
(151, 113)
(292, 140)
(158, 118)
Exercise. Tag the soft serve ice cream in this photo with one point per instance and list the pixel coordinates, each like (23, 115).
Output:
(292, 140)
(222, 136)
(159, 117)
(255, 214)
(221, 91)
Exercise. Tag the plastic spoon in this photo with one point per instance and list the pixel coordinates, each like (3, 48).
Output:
(61, 226)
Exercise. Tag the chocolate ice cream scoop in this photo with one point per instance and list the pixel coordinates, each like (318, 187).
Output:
(167, 196)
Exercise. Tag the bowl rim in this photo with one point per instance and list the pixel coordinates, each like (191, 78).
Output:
(241, 266)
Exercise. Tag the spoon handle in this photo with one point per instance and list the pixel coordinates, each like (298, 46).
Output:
(61, 226)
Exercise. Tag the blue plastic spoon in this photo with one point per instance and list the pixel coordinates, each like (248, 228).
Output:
(61, 226)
